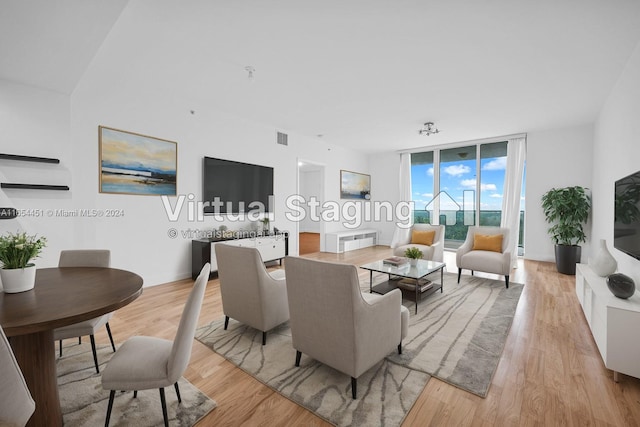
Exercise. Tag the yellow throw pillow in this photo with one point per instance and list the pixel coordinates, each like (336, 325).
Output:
(422, 237)
(482, 242)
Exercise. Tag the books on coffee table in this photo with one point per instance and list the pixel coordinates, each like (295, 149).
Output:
(395, 260)
(410, 284)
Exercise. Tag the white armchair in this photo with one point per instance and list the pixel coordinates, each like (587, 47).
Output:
(333, 322)
(433, 252)
(485, 258)
(250, 294)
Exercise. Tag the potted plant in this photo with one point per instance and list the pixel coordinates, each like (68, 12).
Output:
(414, 254)
(567, 210)
(265, 224)
(16, 250)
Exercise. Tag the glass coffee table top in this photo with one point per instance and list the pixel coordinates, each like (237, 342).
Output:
(421, 269)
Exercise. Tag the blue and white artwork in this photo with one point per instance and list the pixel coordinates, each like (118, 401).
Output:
(137, 164)
(355, 185)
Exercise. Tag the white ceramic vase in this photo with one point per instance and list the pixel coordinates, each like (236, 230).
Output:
(603, 263)
(413, 262)
(16, 280)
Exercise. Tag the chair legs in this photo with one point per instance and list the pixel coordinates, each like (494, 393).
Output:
(178, 392)
(226, 322)
(113, 346)
(164, 408)
(95, 354)
(400, 348)
(112, 394)
(459, 274)
(264, 338)
(298, 355)
(354, 387)
(163, 402)
(506, 280)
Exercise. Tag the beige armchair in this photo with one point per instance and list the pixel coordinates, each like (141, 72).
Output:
(433, 252)
(16, 403)
(333, 322)
(250, 294)
(490, 255)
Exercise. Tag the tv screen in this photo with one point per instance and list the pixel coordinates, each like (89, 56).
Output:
(236, 187)
(626, 230)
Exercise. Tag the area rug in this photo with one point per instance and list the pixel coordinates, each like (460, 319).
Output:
(84, 401)
(457, 336)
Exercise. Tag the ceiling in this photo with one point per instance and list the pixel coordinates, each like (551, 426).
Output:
(365, 74)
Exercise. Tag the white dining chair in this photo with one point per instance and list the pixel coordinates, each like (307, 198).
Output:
(16, 403)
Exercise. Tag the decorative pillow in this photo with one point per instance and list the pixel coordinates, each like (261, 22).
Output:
(482, 242)
(423, 237)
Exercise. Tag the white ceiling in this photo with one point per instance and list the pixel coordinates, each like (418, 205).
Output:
(363, 73)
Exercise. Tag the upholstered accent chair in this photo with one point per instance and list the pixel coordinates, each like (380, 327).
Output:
(144, 363)
(85, 258)
(485, 249)
(333, 322)
(16, 403)
(250, 294)
(428, 238)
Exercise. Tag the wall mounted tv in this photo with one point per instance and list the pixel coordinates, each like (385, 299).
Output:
(236, 185)
(626, 229)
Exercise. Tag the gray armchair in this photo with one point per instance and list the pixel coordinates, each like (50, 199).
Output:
(250, 294)
(433, 252)
(489, 261)
(333, 322)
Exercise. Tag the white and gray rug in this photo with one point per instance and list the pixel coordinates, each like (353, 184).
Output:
(457, 336)
(84, 401)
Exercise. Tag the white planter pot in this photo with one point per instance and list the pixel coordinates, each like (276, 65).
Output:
(18, 279)
(413, 262)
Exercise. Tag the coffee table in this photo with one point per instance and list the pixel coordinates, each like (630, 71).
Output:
(406, 271)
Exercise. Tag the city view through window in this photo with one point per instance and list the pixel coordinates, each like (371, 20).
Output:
(463, 186)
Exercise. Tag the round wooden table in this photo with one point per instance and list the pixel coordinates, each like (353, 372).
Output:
(61, 297)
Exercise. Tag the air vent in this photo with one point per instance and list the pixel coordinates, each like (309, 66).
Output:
(283, 138)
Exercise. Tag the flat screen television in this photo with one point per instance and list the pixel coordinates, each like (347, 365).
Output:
(626, 229)
(238, 186)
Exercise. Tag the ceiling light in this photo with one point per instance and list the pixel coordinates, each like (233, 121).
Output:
(250, 70)
(428, 129)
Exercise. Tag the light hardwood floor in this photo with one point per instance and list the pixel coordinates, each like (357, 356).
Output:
(550, 373)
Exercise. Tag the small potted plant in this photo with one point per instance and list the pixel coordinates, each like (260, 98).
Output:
(567, 210)
(16, 250)
(265, 224)
(414, 254)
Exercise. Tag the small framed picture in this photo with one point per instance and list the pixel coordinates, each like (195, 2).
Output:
(355, 185)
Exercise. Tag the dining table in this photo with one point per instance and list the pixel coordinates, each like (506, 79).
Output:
(61, 296)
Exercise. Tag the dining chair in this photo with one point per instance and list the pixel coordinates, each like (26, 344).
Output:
(16, 403)
(144, 363)
(85, 258)
(250, 294)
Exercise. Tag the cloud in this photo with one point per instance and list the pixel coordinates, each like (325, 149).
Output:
(430, 171)
(488, 187)
(456, 170)
(496, 196)
(468, 183)
(498, 164)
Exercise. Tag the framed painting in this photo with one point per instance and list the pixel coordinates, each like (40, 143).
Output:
(131, 163)
(355, 185)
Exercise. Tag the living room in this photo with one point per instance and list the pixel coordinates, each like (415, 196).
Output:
(163, 72)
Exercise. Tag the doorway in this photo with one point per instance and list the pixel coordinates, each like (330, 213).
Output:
(310, 187)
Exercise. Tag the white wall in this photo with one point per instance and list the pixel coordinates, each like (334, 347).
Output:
(35, 122)
(555, 158)
(310, 186)
(617, 154)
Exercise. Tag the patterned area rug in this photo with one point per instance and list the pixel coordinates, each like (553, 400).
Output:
(457, 336)
(84, 401)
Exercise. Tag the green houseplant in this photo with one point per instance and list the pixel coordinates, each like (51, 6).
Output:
(567, 210)
(16, 252)
(414, 254)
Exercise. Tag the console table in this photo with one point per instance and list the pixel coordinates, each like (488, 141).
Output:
(272, 247)
(344, 241)
(612, 321)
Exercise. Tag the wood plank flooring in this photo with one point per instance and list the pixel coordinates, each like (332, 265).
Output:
(550, 373)
(308, 243)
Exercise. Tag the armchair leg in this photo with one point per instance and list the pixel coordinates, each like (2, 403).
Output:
(113, 346)
(506, 280)
(264, 338)
(354, 387)
(459, 273)
(95, 355)
(178, 392)
(226, 322)
(164, 408)
(112, 394)
(60, 345)
(135, 394)
(400, 348)
(298, 355)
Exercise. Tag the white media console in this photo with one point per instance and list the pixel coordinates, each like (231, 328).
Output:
(344, 241)
(613, 322)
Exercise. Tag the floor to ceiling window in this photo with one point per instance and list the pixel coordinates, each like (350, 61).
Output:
(461, 186)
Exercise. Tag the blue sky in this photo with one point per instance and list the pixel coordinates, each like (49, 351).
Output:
(458, 176)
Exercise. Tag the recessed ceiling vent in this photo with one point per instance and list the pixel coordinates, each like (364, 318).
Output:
(283, 139)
